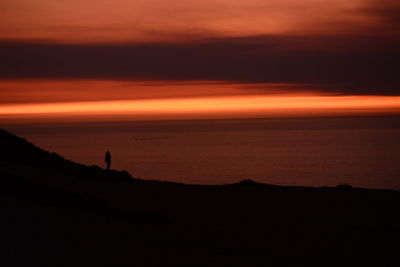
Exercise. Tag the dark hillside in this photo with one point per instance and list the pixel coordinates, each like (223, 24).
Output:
(60, 213)
(18, 151)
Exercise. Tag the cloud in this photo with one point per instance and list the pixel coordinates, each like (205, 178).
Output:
(362, 60)
(91, 21)
(342, 64)
(386, 13)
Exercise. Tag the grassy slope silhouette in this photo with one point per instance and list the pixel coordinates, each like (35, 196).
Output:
(60, 213)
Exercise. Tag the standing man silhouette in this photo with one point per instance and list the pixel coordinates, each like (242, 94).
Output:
(107, 159)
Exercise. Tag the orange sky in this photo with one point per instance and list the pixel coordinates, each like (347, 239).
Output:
(47, 91)
(124, 100)
(198, 59)
(85, 21)
(216, 101)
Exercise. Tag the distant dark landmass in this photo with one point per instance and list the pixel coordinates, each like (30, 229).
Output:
(56, 212)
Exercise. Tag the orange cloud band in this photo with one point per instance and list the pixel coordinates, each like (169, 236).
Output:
(210, 107)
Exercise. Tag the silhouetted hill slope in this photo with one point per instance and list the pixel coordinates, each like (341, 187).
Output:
(18, 151)
(60, 213)
(32, 174)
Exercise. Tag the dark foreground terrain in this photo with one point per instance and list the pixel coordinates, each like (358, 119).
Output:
(56, 212)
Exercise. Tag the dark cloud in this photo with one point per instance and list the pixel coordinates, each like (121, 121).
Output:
(386, 13)
(363, 64)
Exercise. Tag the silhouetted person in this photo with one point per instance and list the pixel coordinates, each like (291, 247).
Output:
(107, 159)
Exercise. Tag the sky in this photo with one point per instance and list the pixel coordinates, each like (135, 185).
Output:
(153, 59)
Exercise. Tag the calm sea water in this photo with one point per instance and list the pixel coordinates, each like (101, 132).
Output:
(363, 151)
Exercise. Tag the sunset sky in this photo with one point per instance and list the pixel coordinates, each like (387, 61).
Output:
(153, 59)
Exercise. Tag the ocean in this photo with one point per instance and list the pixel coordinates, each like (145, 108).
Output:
(360, 151)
